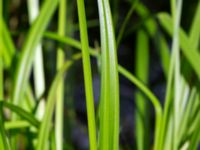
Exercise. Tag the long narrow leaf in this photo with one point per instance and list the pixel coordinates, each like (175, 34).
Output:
(1, 79)
(38, 66)
(125, 22)
(87, 75)
(1, 51)
(151, 97)
(60, 89)
(17, 124)
(109, 105)
(44, 130)
(190, 53)
(142, 71)
(195, 137)
(4, 143)
(187, 110)
(176, 15)
(165, 55)
(28, 50)
(22, 113)
(194, 35)
(7, 44)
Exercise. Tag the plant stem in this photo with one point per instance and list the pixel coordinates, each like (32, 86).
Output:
(87, 74)
(38, 66)
(176, 13)
(60, 88)
(1, 52)
(4, 142)
(125, 22)
(109, 103)
(46, 125)
(142, 71)
(1, 79)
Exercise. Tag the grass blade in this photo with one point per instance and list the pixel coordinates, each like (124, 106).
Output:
(22, 113)
(168, 139)
(193, 120)
(60, 89)
(145, 14)
(109, 105)
(152, 29)
(8, 48)
(190, 53)
(176, 15)
(4, 143)
(115, 8)
(28, 50)
(151, 97)
(125, 22)
(165, 55)
(195, 137)
(195, 30)
(185, 119)
(69, 41)
(44, 131)
(1, 79)
(1, 52)
(142, 71)
(38, 66)
(87, 75)
(17, 124)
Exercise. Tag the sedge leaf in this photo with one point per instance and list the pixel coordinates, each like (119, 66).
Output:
(188, 50)
(28, 50)
(87, 74)
(109, 103)
(44, 130)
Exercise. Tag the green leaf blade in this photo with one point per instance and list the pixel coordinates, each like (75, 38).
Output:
(45, 127)
(190, 53)
(194, 34)
(87, 75)
(28, 50)
(4, 143)
(60, 90)
(109, 107)
(142, 71)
